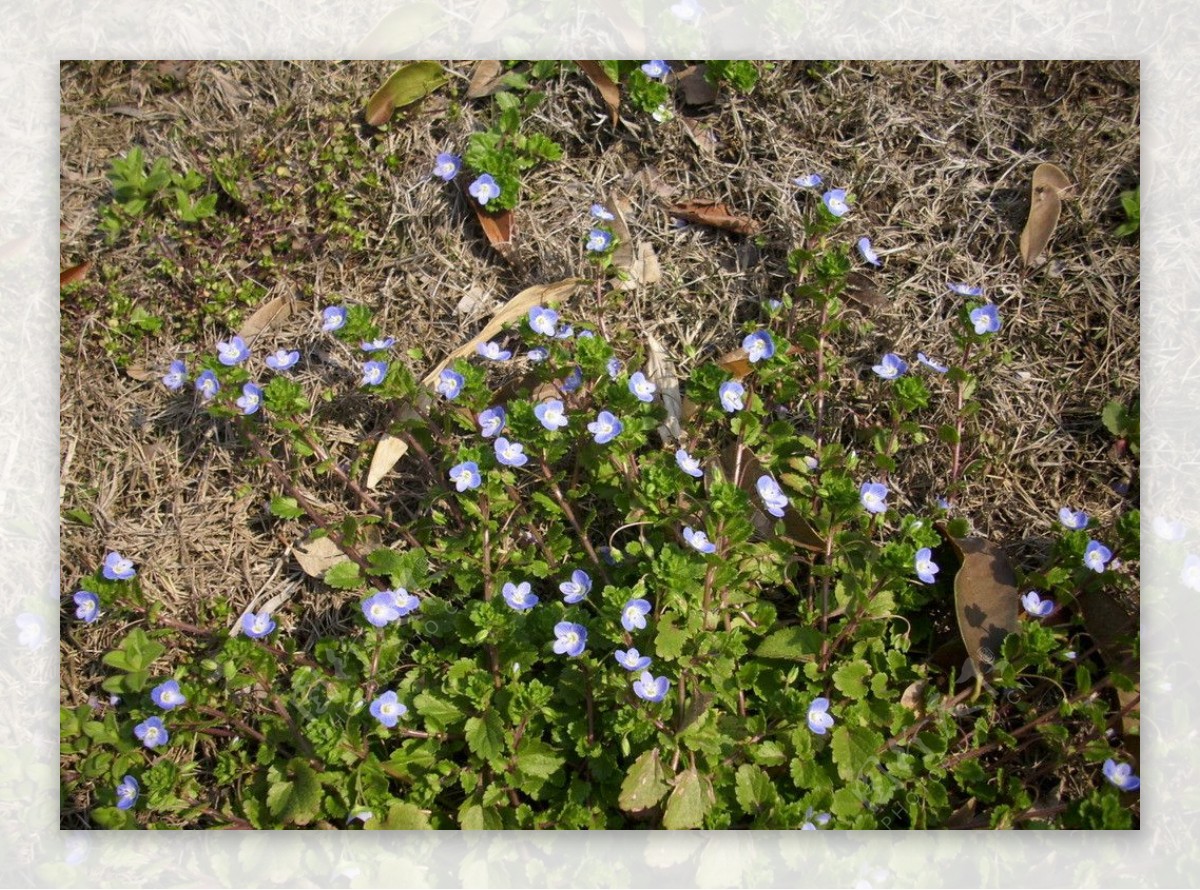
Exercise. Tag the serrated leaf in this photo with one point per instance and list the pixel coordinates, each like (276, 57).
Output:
(853, 748)
(485, 736)
(478, 818)
(691, 799)
(794, 643)
(849, 678)
(297, 799)
(402, 816)
(436, 709)
(285, 508)
(755, 791)
(537, 759)
(670, 640)
(344, 576)
(645, 783)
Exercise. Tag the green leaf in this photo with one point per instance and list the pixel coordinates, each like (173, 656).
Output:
(285, 508)
(436, 710)
(849, 678)
(478, 818)
(794, 643)
(402, 816)
(645, 783)
(755, 791)
(344, 576)
(670, 640)
(853, 748)
(691, 799)
(485, 736)
(410, 83)
(1115, 418)
(537, 759)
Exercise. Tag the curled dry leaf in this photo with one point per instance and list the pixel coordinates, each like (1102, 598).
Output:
(1113, 629)
(1045, 204)
(715, 214)
(609, 91)
(639, 262)
(389, 450)
(411, 82)
(498, 227)
(861, 292)
(694, 86)
(913, 697)
(985, 598)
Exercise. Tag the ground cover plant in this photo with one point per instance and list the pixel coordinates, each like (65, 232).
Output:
(571, 447)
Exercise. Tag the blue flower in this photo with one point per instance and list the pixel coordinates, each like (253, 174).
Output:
(687, 10)
(511, 454)
(867, 252)
(641, 387)
(282, 359)
(491, 350)
(873, 495)
(965, 290)
(127, 793)
(207, 385)
(232, 352)
(614, 367)
(577, 588)
(656, 68)
(491, 421)
(551, 415)
(450, 384)
(651, 688)
(519, 596)
(699, 540)
(809, 181)
(986, 319)
(405, 602)
(257, 626)
(152, 732)
(925, 566)
(373, 373)
(1033, 603)
(380, 608)
(732, 394)
(388, 709)
(1167, 529)
(32, 630)
(819, 718)
(688, 464)
(574, 380)
(931, 364)
(1189, 575)
(758, 346)
(1121, 775)
(835, 202)
(167, 695)
(333, 318)
(117, 567)
(566, 332)
(598, 240)
(571, 638)
(251, 398)
(538, 354)
(605, 427)
(1096, 555)
(821, 819)
(379, 344)
(584, 335)
(446, 166)
(773, 497)
(543, 320)
(465, 475)
(175, 376)
(87, 606)
(484, 189)
(632, 660)
(1072, 519)
(601, 212)
(633, 615)
(890, 366)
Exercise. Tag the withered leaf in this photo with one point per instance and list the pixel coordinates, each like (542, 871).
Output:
(498, 226)
(739, 466)
(1045, 204)
(660, 371)
(861, 291)
(270, 314)
(389, 450)
(609, 91)
(715, 214)
(1113, 628)
(411, 82)
(694, 87)
(486, 79)
(74, 273)
(985, 598)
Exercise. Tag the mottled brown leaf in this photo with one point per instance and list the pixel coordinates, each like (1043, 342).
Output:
(270, 314)
(486, 79)
(713, 213)
(985, 598)
(739, 466)
(694, 87)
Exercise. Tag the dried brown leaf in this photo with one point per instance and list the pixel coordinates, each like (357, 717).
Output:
(317, 557)
(861, 291)
(609, 91)
(74, 273)
(486, 79)
(389, 450)
(694, 87)
(739, 466)
(985, 598)
(270, 314)
(660, 371)
(1049, 185)
(715, 214)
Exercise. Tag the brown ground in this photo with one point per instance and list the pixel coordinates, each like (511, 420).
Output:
(938, 155)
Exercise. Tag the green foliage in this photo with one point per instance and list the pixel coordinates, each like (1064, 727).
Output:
(740, 74)
(137, 191)
(1131, 203)
(505, 152)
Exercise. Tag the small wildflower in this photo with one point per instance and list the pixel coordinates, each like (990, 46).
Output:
(819, 718)
(688, 464)
(257, 626)
(873, 495)
(632, 660)
(925, 566)
(1096, 555)
(965, 290)
(167, 695)
(614, 367)
(584, 335)
(641, 387)
(820, 819)
(601, 212)
(538, 354)
(1072, 519)
(890, 366)
(699, 540)
(333, 318)
(32, 631)
(571, 639)
(812, 463)
(446, 166)
(867, 252)
(809, 181)
(931, 364)
(207, 385)
(1121, 775)
(87, 606)
(758, 346)
(380, 608)
(1190, 576)
(484, 189)
(651, 688)
(405, 602)
(127, 793)
(986, 319)
(491, 421)
(176, 376)
(943, 503)
(655, 69)
(566, 332)
(1169, 529)
(574, 380)
(543, 320)
(491, 350)
(577, 588)
(373, 373)
(605, 428)
(450, 384)
(1033, 603)
(251, 398)
(550, 414)
(773, 497)
(518, 596)
(388, 709)
(1069, 655)
(152, 732)
(465, 475)
(232, 352)
(117, 567)
(598, 240)
(511, 454)
(835, 202)
(282, 359)
(633, 615)
(379, 344)
(732, 394)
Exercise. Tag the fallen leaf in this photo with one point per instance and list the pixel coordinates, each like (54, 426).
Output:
(411, 82)
(694, 87)
(985, 598)
(609, 91)
(1049, 184)
(739, 466)
(319, 556)
(497, 227)
(913, 697)
(1113, 629)
(486, 79)
(389, 450)
(715, 214)
(622, 256)
(74, 273)
(861, 291)
(963, 816)
(660, 371)
(270, 314)
(138, 371)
